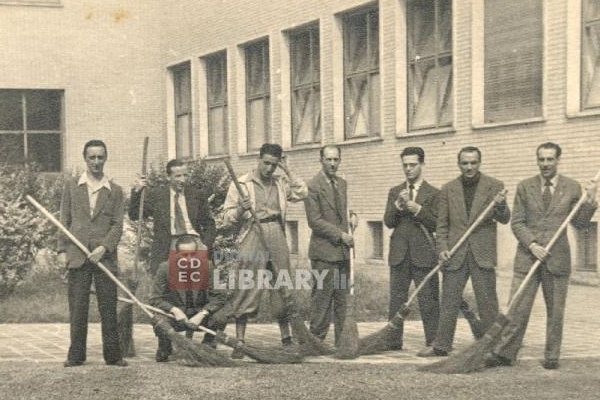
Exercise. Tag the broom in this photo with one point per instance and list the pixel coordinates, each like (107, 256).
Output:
(125, 314)
(260, 354)
(384, 339)
(348, 348)
(473, 357)
(194, 355)
(310, 344)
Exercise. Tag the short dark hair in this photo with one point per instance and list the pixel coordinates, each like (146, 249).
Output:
(94, 143)
(185, 239)
(330, 146)
(469, 149)
(549, 145)
(174, 163)
(414, 151)
(272, 149)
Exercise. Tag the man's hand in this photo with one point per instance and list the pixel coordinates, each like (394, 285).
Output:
(444, 256)
(591, 188)
(140, 183)
(500, 197)
(61, 258)
(179, 315)
(283, 164)
(246, 204)
(539, 251)
(347, 240)
(198, 318)
(97, 254)
(413, 207)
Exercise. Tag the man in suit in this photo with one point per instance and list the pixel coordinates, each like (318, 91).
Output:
(326, 213)
(91, 209)
(541, 205)
(191, 304)
(268, 194)
(177, 209)
(411, 212)
(461, 201)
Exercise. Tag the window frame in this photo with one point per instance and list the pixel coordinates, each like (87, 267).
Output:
(179, 111)
(208, 60)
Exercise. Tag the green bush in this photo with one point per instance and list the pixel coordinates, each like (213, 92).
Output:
(23, 231)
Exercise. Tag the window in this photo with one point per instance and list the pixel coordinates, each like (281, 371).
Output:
(590, 53)
(513, 48)
(361, 74)
(429, 24)
(375, 239)
(216, 82)
(31, 127)
(258, 107)
(292, 235)
(182, 90)
(587, 248)
(305, 86)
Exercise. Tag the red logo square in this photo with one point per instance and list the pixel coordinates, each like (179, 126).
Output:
(188, 270)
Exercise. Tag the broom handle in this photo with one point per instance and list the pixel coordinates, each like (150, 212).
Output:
(548, 247)
(351, 250)
(252, 211)
(81, 247)
(138, 236)
(455, 248)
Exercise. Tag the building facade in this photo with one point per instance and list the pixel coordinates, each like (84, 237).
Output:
(215, 79)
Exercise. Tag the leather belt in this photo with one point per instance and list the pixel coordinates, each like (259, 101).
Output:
(272, 218)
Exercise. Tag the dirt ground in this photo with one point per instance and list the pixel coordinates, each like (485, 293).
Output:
(576, 379)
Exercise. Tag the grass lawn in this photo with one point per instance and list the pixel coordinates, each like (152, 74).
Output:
(576, 379)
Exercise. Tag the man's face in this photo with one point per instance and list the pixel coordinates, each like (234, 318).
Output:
(547, 162)
(95, 157)
(178, 177)
(412, 167)
(186, 249)
(469, 163)
(267, 165)
(330, 161)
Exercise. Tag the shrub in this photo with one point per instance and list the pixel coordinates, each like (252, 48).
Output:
(23, 231)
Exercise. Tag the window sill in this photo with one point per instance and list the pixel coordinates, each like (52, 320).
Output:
(216, 157)
(31, 4)
(426, 132)
(583, 114)
(300, 147)
(509, 123)
(349, 142)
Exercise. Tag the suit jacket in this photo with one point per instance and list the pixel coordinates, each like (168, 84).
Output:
(409, 236)
(453, 221)
(326, 220)
(103, 227)
(531, 223)
(157, 205)
(165, 298)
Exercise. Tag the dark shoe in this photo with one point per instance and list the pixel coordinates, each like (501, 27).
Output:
(396, 346)
(550, 364)
(494, 360)
(119, 363)
(432, 352)
(161, 356)
(209, 340)
(70, 363)
(287, 341)
(237, 353)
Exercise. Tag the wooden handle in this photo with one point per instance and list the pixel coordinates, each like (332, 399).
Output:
(81, 247)
(516, 296)
(138, 235)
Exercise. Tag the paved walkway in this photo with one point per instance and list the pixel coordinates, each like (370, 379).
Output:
(49, 342)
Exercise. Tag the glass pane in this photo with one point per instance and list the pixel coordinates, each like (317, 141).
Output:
(316, 53)
(301, 59)
(421, 28)
(217, 131)
(183, 90)
(445, 24)
(445, 96)
(374, 123)
(217, 79)
(423, 94)
(43, 109)
(591, 9)
(257, 125)
(374, 39)
(257, 69)
(12, 147)
(183, 143)
(11, 111)
(304, 107)
(590, 64)
(45, 150)
(356, 105)
(356, 56)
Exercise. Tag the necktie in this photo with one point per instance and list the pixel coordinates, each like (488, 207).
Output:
(179, 223)
(336, 196)
(547, 194)
(189, 299)
(411, 192)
